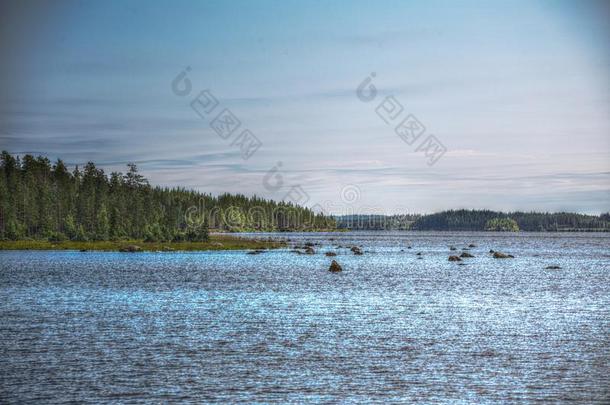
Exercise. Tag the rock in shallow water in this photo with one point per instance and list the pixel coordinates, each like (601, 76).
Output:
(500, 255)
(356, 250)
(454, 259)
(335, 267)
(466, 254)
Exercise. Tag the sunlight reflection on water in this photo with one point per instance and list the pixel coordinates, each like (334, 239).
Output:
(227, 326)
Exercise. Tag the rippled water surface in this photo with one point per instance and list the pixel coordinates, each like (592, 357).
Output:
(278, 327)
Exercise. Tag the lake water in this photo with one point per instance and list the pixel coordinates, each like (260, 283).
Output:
(279, 327)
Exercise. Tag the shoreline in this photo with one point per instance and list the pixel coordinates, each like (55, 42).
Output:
(215, 242)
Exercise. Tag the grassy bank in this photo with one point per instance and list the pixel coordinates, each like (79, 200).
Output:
(216, 242)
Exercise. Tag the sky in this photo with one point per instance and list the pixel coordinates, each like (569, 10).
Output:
(516, 92)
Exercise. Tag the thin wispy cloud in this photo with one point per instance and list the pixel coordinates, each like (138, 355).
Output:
(518, 92)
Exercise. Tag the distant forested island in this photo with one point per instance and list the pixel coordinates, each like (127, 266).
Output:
(480, 220)
(40, 200)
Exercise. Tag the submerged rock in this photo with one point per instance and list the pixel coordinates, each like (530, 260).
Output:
(472, 245)
(330, 254)
(335, 267)
(452, 248)
(554, 267)
(454, 259)
(500, 255)
(356, 250)
(491, 251)
(466, 254)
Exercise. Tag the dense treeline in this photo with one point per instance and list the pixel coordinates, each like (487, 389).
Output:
(43, 200)
(476, 220)
(502, 225)
(376, 222)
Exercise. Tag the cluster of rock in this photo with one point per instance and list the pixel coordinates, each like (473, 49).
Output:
(306, 249)
(465, 254)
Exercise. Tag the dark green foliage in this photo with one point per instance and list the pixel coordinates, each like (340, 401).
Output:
(502, 225)
(476, 220)
(39, 200)
(376, 222)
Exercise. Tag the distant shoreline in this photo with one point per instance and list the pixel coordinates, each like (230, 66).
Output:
(345, 230)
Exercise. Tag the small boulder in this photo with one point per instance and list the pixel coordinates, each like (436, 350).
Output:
(500, 255)
(418, 254)
(472, 245)
(491, 251)
(454, 259)
(466, 254)
(356, 250)
(330, 254)
(309, 251)
(554, 267)
(335, 267)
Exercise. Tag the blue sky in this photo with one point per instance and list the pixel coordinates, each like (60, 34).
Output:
(517, 91)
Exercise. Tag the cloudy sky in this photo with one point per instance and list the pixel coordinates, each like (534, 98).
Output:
(517, 92)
